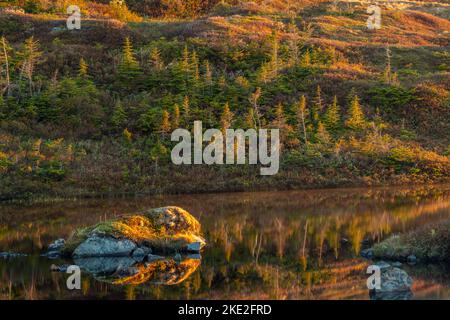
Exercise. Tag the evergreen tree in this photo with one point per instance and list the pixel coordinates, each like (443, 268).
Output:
(332, 116)
(322, 134)
(176, 117)
(119, 116)
(274, 60)
(208, 74)
(280, 123)
(301, 113)
(195, 67)
(249, 119)
(129, 67)
(186, 110)
(222, 82)
(156, 60)
(306, 59)
(356, 118)
(185, 60)
(164, 128)
(83, 69)
(264, 73)
(226, 118)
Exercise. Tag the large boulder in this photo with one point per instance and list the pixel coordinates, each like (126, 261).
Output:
(101, 246)
(168, 229)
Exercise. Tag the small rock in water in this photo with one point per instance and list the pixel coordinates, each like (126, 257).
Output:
(57, 245)
(411, 259)
(138, 254)
(395, 285)
(52, 255)
(177, 257)
(10, 255)
(397, 264)
(62, 268)
(194, 247)
(367, 253)
(383, 265)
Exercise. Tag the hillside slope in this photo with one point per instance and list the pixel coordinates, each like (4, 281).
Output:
(90, 111)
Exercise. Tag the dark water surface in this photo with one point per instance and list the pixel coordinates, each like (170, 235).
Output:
(267, 245)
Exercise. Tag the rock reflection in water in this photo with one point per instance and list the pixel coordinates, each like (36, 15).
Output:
(126, 271)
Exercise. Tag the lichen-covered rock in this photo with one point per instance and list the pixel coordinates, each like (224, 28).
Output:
(395, 279)
(165, 229)
(395, 283)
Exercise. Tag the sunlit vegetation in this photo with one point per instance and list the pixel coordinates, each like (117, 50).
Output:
(90, 112)
(430, 243)
(148, 228)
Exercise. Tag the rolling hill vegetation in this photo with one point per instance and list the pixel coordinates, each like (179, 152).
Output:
(88, 112)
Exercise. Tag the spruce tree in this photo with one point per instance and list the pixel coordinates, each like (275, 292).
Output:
(185, 60)
(195, 67)
(129, 67)
(332, 116)
(165, 126)
(274, 60)
(306, 59)
(208, 74)
(301, 113)
(156, 60)
(355, 120)
(186, 111)
(250, 120)
(322, 134)
(226, 118)
(176, 117)
(119, 116)
(280, 123)
(83, 69)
